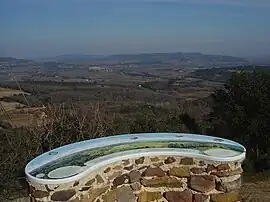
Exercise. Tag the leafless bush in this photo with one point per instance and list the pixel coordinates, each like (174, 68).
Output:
(66, 124)
(60, 126)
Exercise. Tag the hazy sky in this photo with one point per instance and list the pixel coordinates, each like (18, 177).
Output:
(32, 28)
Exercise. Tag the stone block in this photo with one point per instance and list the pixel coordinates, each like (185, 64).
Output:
(228, 173)
(175, 196)
(165, 181)
(149, 196)
(225, 197)
(202, 183)
(64, 195)
(169, 160)
(154, 172)
(229, 186)
(179, 172)
(197, 170)
(140, 160)
(187, 161)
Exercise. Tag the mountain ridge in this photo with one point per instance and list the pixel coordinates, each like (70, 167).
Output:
(155, 58)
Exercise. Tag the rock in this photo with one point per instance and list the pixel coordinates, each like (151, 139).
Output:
(187, 161)
(107, 170)
(48, 188)
(229, 186)
(84, 188)
(202, 183)
(90, 182)
(76, 183)
(223, 167)
(139, 160)
(210, 168)
(165, 181)
(228, 173)
(99, 179)
(39, 193)
(120, 194)
(169, 160)
(200, 198)
(95, 193)
(77, 199)
(114, 175)
(83, 198)
(179, 172)
(225, 197)
(154, 159)
(129, 167)
(110, 196)
(143, 167)
(134, 176)
(117, 168)
(126, 162)
(158, 164)
(123, 179)
(202, 163)
(136, 186)
(197, 170)
(154, 172)
(64, 195)
(175, 196)
(149, 196)
(125, 194)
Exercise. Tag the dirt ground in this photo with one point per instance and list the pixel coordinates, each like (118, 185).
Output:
(256, 192)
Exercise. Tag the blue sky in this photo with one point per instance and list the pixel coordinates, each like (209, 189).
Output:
(34, 28)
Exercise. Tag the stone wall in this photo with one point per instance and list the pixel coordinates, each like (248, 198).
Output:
(145, 179)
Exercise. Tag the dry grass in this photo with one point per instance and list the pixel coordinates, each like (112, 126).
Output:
(6, 92)
(15, 113)
(18, 117)
(256, 191)
(8, 106)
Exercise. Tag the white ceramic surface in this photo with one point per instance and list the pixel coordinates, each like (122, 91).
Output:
(217, 152)
(64, 172)
(130, 138)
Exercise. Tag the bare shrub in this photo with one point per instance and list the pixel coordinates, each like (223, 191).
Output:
(62, 125)
(67, 124)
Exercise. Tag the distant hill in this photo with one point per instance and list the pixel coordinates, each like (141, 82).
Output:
(262, 60)
(12, 60)
(223, 74)
(72, 58)
(191, 59)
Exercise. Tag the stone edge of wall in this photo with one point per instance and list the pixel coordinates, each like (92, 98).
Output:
(150, 178)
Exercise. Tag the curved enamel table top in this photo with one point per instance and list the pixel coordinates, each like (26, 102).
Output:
(64, 151)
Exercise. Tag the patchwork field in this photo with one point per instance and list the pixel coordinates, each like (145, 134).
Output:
(14, 113)
(5, 92)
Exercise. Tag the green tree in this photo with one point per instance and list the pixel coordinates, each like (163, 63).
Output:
(241, 112)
